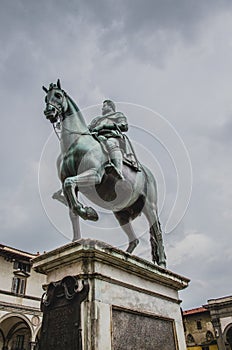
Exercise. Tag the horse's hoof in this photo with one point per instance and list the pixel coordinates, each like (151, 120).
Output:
(162, 264)
(57, 194)
(91, 214)
(132, 245)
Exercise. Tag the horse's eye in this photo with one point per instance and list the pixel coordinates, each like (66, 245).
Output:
(57, 95)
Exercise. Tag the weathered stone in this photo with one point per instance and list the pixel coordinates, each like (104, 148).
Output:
(130, 299)
(61, 327)
(136, 331)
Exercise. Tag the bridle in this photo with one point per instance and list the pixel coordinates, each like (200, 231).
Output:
(59, 109)
(57, 125)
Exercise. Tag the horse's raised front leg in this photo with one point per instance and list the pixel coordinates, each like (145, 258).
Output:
(87, 178)
(73, 217)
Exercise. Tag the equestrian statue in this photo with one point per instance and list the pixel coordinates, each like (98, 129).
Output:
(98, 160)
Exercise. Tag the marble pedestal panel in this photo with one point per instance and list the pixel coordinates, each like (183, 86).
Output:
(131, 304)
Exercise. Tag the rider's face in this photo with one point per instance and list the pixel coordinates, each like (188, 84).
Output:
(106, 108)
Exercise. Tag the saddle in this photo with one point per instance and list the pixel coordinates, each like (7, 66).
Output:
(129, 156)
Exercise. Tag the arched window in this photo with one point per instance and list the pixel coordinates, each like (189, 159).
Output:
(17, 333)
(190, 339)
(2, 339)
(229, 336)
(209, 336)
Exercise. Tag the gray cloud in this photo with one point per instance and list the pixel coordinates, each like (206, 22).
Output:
(116, 49)
(147, 30)
(150, 30)
(221, 135)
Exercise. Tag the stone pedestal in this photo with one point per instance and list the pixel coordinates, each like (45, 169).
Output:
(131, 304)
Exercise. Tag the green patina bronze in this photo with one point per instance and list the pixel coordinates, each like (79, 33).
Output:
(92, 162)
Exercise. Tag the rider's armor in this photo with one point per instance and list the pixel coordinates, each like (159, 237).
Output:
(109, 129)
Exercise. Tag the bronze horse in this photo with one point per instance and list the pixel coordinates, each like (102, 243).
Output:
(81, 167)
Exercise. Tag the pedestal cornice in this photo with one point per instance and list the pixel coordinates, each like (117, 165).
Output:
(89, 252)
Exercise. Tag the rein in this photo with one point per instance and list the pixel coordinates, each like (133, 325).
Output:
(70, 132)
(87, 132)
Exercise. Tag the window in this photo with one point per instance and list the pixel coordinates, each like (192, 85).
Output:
(19, 285)
(19, 342)
(229, 336)
(209, 336)
(22, 266)
(190, 339)
(199, 325)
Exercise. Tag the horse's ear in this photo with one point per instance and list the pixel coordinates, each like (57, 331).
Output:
(45, 89)
(58, 84)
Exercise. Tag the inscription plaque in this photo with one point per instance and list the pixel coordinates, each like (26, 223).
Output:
(61, 326)
(136, 331)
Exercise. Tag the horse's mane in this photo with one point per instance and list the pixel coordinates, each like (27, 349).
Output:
(73, 102)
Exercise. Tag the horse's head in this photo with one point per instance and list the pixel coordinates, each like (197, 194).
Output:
(56, 102)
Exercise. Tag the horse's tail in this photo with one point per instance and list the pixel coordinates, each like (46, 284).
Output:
(156, 239)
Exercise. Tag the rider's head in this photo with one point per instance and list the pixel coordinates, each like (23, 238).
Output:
(108, 107)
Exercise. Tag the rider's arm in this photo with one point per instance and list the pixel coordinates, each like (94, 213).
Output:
(123, 127)
(120, 123)
(93, 124)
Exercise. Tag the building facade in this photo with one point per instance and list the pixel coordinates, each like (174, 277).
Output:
(206, 328)
(199, 330)
(20, 295)
(221, 315)
(209, 327)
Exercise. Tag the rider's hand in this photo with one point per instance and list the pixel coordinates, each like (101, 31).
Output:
(98, 128)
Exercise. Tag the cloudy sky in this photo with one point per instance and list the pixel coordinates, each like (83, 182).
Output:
(170, 57)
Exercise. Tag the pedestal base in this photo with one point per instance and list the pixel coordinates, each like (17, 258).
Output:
(131, 304)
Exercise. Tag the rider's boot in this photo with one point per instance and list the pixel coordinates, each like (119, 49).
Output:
(116, 159)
